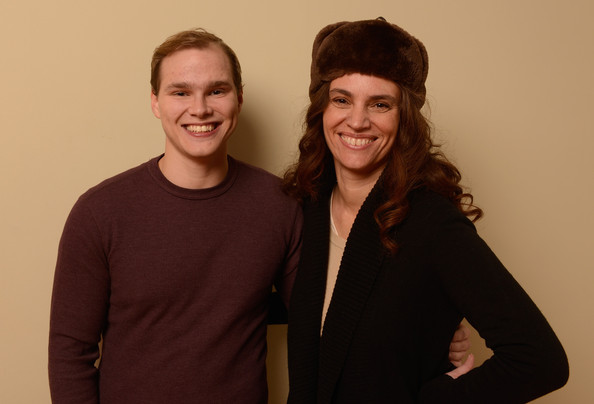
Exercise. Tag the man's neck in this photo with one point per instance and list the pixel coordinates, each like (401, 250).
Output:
(194, 173)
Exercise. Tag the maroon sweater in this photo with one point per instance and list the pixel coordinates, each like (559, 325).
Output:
(177, 282)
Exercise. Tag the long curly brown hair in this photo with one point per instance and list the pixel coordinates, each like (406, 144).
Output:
(414, 162)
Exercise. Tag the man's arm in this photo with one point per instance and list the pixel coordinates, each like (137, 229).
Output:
(286, 278)
(277, 312)
(78, 311)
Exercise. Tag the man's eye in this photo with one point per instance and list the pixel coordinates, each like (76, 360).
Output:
(180, 93)
(217, 92)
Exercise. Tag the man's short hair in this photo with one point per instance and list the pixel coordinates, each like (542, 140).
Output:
(195, 38)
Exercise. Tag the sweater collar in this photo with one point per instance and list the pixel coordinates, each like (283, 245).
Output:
(206, 193)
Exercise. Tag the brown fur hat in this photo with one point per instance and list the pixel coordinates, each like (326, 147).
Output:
(371, 47)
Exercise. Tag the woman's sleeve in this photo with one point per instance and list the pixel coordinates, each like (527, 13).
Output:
(528, 360)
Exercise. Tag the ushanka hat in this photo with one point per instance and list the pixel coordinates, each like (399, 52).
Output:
(371, 47)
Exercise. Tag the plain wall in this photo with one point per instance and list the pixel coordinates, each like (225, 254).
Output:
(511, 91)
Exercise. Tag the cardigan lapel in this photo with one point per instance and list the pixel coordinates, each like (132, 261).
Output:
(307, 299)
(361, 262)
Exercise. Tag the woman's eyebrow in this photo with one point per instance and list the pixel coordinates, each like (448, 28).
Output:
(374, 97)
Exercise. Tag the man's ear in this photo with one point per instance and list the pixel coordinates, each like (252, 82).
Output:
(155, 105)
(240, 99)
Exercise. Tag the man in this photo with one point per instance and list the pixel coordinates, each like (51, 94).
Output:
(172, 262)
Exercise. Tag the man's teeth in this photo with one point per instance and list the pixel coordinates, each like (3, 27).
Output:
(356, 141)
(200, 128)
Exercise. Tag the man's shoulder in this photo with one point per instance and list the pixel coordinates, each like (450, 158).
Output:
(125, 180)
(257, 177)
(260, 183)
(256, 172)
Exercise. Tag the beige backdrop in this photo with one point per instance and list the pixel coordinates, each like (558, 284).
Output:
(510, 86)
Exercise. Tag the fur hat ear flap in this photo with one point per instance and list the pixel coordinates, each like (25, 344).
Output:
(371, 47)
(320, 37)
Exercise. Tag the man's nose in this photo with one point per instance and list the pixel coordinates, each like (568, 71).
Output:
(200, 107)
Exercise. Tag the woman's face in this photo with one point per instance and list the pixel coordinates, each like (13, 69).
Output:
(361, 123)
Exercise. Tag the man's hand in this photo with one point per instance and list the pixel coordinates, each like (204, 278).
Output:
(462, 369)
(460, 345)
(458, 348)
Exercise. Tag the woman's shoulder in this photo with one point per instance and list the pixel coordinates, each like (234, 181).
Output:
(423, 199)
(435, 211)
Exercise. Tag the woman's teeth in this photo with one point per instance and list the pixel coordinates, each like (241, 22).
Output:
(356, 141)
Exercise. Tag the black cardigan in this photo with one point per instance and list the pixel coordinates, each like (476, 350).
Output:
(391, 318)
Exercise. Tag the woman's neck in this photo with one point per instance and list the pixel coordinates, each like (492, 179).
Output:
(348, 197)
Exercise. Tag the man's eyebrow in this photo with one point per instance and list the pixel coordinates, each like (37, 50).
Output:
(220, 83)
(177, 86)
(186, 84)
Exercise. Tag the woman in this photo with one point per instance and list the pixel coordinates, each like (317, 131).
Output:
(391, 261)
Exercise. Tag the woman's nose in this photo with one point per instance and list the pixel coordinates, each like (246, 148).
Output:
(358, 118)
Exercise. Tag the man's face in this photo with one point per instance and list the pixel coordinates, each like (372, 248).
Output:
(198, 105)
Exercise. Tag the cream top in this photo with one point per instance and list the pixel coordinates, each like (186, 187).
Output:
(336, 250)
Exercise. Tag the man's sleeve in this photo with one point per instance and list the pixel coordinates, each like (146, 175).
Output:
(277, 311)
(285, 280)
(78, 310)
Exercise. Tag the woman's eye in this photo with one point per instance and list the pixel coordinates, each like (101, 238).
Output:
(381, 106)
